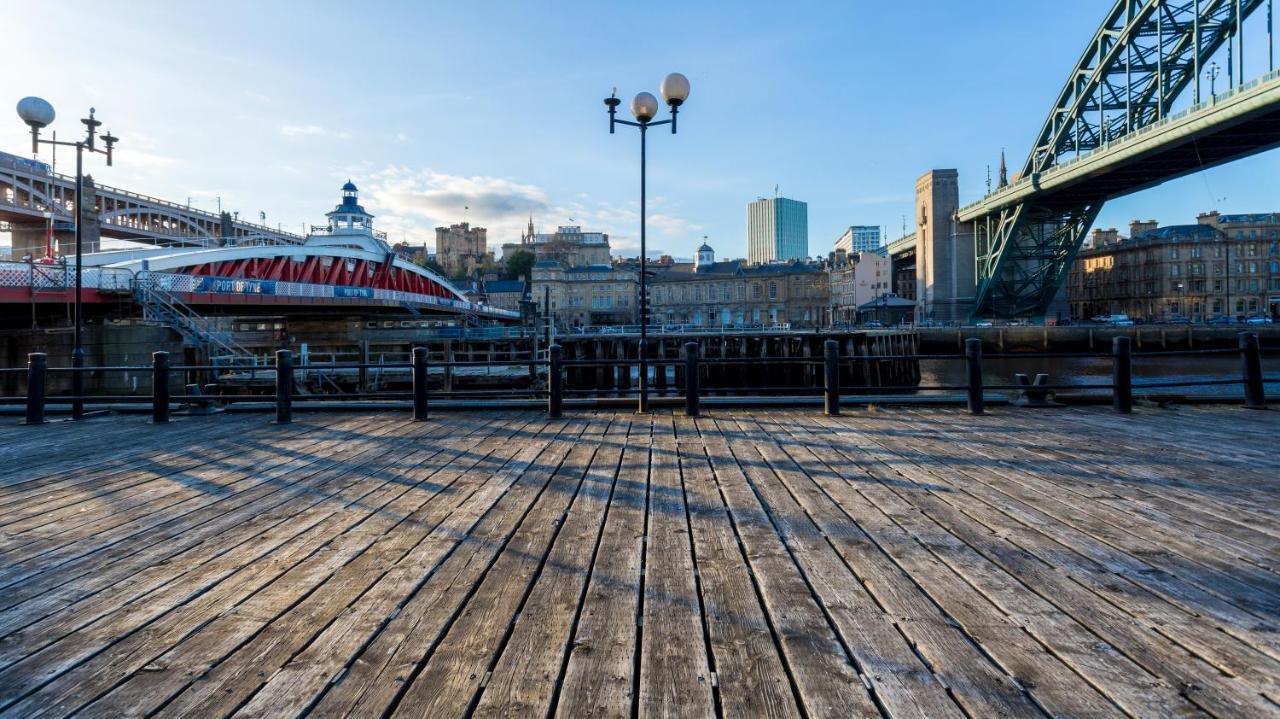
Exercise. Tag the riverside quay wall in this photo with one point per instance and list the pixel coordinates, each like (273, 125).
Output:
(771, 362)
(1076, 338)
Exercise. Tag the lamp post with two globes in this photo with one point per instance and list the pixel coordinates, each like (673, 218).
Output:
(38, 114)
(644, 106)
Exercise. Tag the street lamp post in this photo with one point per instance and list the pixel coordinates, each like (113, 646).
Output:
(644, 106)
(37, 113)
(1213, 79)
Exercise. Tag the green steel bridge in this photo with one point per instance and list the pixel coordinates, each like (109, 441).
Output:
(1122, 123)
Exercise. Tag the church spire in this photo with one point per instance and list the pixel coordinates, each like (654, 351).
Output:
(1004, 172)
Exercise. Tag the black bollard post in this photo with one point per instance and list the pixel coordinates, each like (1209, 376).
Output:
(642, 379)
(37, 364)
(831, 363)
(419, 384)
(691, 390)
(1255, 396)
(284, 386)
(973, 359)
(1122, 374)
(159, 387)
(77, 383)
(555, 382)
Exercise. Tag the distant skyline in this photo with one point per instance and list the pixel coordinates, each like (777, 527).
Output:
(445, 112)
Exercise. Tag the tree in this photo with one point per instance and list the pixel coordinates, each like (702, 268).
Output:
(519, 264)
(432, 265)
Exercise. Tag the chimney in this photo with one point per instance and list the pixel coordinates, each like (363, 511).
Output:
(1137, 227)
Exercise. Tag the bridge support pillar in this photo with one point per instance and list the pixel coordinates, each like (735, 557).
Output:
(945, 285)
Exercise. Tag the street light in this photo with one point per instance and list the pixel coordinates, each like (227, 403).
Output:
(1213, 79)
(38, 114)
(644, 106)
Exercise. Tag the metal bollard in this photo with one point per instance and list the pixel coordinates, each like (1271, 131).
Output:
(419, 384)
(1255, 396)
(555, 382)
(159, 387)
(973, 359)
(37, 364)
(1122, 374)
(284, 386)
(642, 380)
(831, 365)
(77, 383)
(691, 390)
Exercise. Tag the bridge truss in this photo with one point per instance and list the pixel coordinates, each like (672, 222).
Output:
(1143, 58)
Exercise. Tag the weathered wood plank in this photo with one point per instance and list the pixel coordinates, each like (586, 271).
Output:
(675, 676)
(599, 678)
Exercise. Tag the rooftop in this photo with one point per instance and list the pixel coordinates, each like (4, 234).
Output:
(896, 562)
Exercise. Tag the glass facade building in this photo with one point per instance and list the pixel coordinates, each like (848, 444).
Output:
(859, 238)
(777, 230)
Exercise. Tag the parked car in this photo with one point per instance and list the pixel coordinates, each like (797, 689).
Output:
(1177, 320)
(873, 324)
(983, 323)
(1258, 320)
(1221, 320)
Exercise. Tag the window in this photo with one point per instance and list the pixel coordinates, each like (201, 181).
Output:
(1195, 252)
(1173, 253)
(755, 293)
(773, 290)
(1174, 271)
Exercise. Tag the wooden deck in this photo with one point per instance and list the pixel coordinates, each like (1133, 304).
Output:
(901, 563)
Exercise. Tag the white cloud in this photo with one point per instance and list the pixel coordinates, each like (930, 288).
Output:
(302, 130)
(411, 203)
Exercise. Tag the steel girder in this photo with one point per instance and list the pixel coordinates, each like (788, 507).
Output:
(1140, 61)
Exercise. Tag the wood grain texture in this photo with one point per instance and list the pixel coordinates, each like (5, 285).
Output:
(894, 563)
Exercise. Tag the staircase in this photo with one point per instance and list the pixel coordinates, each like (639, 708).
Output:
(161, 306)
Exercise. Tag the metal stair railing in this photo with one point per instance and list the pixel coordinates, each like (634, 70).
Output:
(161, 306)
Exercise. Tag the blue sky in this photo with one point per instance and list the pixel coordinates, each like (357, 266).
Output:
(434, 106)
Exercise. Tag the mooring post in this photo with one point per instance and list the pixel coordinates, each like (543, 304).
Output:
(77, 383)
(284, 386)
(1251, 367)
(691, 390)
(1122, 374)
(555, 381)
(37, 364)
(159, 387)
(831, 363)
(973, 358)
(419, 384)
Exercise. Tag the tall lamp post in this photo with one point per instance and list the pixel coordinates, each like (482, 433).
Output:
(39, 114)
(644, 106)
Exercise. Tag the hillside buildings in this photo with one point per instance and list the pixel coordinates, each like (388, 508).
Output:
(777, 230)
(707, 293)
(568, 245)
(603, 294)
(857, 279)
(1222, 266)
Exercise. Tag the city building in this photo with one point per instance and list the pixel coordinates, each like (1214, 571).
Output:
(462, 249)
(602, 294)
(902, 259)
(856, 278)
(708, 293)
(1222, 266)
(568, 245)
(777, 230)
(860, 238)
(503, 294)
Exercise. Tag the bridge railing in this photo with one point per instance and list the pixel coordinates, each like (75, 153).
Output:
(695, 381)
(1131, 136)
(60, 276)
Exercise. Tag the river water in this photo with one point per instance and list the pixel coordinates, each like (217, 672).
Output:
(1097, 370)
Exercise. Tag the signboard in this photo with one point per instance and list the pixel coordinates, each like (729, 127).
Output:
(233, 286)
